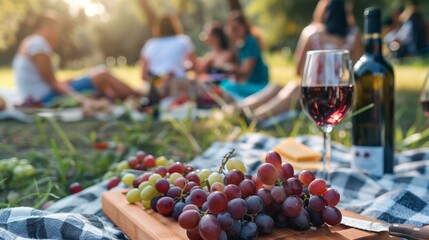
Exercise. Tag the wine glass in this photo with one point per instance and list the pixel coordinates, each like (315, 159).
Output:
(424, 97)
(327, 93)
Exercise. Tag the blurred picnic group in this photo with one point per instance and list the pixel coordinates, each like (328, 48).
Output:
(234, 70)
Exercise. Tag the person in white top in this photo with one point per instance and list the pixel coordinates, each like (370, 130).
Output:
(334, 33)
(36, 79)
(166, 54)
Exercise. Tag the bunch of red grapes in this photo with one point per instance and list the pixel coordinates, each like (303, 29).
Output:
(231, 204)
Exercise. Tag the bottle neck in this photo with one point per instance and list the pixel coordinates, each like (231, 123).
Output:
(373, 44)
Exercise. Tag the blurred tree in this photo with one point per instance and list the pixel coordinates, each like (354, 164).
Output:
(234, 5)
(18, 19)
(282, 20)
(123, 32)
(121, 29)
(11, 15)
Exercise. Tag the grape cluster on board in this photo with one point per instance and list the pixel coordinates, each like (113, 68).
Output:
(229, 203)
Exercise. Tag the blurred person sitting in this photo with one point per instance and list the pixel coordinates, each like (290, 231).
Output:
(251, 73)
(391, 25)
(411, 38)
(36, 80)
(334, 34)
(166, 54)
(219, 62)
(269, 93)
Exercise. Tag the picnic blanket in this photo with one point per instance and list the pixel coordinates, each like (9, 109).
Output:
(75, 114)
(399, 198)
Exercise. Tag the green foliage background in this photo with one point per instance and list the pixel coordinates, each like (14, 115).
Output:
(122, 30)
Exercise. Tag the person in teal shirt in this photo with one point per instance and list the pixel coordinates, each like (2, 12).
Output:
(251, 74)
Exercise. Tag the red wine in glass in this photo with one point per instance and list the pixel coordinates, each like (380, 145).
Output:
(327, 105)
(327, 93)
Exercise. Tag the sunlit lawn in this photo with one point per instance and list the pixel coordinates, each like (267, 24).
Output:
(408, 77)
(408, 83)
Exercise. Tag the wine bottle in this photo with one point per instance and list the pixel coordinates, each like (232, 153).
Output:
(373, 129)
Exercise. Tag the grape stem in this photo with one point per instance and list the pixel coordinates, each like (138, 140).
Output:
(252, 216)
(225, 160)
(183, 189)
(208, 184)
(279, 181)
(304, 197)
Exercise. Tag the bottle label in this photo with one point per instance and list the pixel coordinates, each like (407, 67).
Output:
(369, 159)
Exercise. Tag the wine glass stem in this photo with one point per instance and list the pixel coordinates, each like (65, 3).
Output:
(327, 156)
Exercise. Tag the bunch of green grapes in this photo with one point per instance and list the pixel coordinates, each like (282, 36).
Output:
(15, 169)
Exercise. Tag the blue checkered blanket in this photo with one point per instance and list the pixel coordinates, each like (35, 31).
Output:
(399, 198)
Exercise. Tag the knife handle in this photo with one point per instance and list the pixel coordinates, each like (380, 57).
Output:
(408, 231)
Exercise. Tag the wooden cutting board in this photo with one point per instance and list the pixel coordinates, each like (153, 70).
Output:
(138, 223)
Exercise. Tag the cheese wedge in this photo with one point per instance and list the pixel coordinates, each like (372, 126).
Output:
(297, 152)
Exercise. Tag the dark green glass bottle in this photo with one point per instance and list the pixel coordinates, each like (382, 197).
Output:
(374, 129)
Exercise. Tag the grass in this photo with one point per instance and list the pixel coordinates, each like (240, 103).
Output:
(408, 77)
(63, 153)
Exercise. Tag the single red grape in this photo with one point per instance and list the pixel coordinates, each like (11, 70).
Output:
(162, 185)
(75, 188)
(145, 176)
(132, 162)
(180, 182)
(190, 206)
(247, 188)
(278, 194)
(192, 176)
(161, 170)
(137, 181)
(177, 167)
(140, 156)
(254, 204)
(292, 206)
(286, 171)
(190, 185)
(189, 219)
(317, 186)
(217, 202)
(149, 161)
(274, 158)
(265, 195)
(306, 177)
(316, 203)
(234, 177)
(267, 173)
(209, 227)
(225, 220)
(174, 192)
(332, 216)
(232, 191)
(113, 182)
(237, 207)
(194, 234)
(293, 186)
(198, 197)
(217, 186)
(332, 197)
(165, 205)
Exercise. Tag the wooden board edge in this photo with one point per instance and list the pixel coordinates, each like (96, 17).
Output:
(114, 204)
